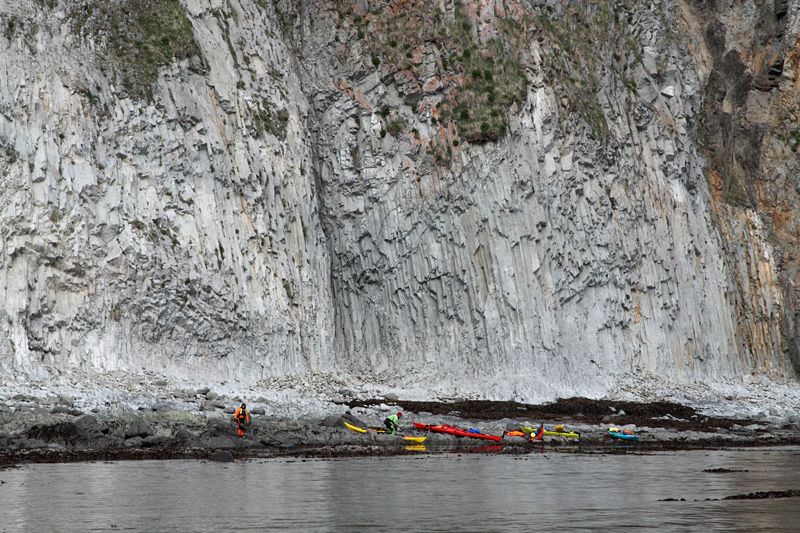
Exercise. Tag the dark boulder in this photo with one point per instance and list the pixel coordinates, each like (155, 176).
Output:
(138, 428)
(63, 409)
(332, 421)
(221, 457)
(154, 441)
(221, 424)
(185, 439)
(89, 425)
(133, 442)
(220, 442)
(207, 406)
(30, 444)
(64, 433)
(183, 433)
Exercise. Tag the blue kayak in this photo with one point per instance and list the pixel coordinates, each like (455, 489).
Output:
(625, 435)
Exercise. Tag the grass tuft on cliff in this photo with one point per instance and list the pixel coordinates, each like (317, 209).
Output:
(477, 65)
(479, 80)
(140, 37)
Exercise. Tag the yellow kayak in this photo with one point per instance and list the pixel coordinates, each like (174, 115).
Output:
(353, 428)
(362, 430)
(549, 432)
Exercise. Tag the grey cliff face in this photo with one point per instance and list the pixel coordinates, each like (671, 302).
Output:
(512, 199)
(175, 234)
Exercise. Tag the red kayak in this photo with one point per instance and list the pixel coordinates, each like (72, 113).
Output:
(458, 432)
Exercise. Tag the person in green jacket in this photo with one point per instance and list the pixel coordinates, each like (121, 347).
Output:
(391, 422)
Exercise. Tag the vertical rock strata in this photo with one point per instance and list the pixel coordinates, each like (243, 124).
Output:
(579, 247)
(518, 199)
(176, 231)
(750, 135)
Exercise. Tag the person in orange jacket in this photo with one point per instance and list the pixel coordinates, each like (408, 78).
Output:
(242, 418)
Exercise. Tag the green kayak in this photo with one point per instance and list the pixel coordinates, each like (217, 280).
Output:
(542, 431)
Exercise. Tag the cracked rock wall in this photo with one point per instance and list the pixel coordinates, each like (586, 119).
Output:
(558, 259)
(304, 192)
(178, 234)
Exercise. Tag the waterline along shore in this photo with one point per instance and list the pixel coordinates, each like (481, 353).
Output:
(31, 431)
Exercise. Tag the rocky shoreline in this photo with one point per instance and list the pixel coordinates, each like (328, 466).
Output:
(35, 431)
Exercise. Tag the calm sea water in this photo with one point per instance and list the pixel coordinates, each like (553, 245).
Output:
(428, 492)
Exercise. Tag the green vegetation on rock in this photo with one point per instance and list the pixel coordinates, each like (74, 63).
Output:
(480, 80)
(736, 195)
(271, 120)
(495, 80)
(140, 36)
(8, 153)
(575, 41)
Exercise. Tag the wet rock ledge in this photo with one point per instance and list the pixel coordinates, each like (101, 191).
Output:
(31, 431)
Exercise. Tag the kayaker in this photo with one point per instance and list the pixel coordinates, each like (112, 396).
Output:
(391, 422)
(242, 418)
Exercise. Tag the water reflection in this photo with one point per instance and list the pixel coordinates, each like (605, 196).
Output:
(442, 492)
